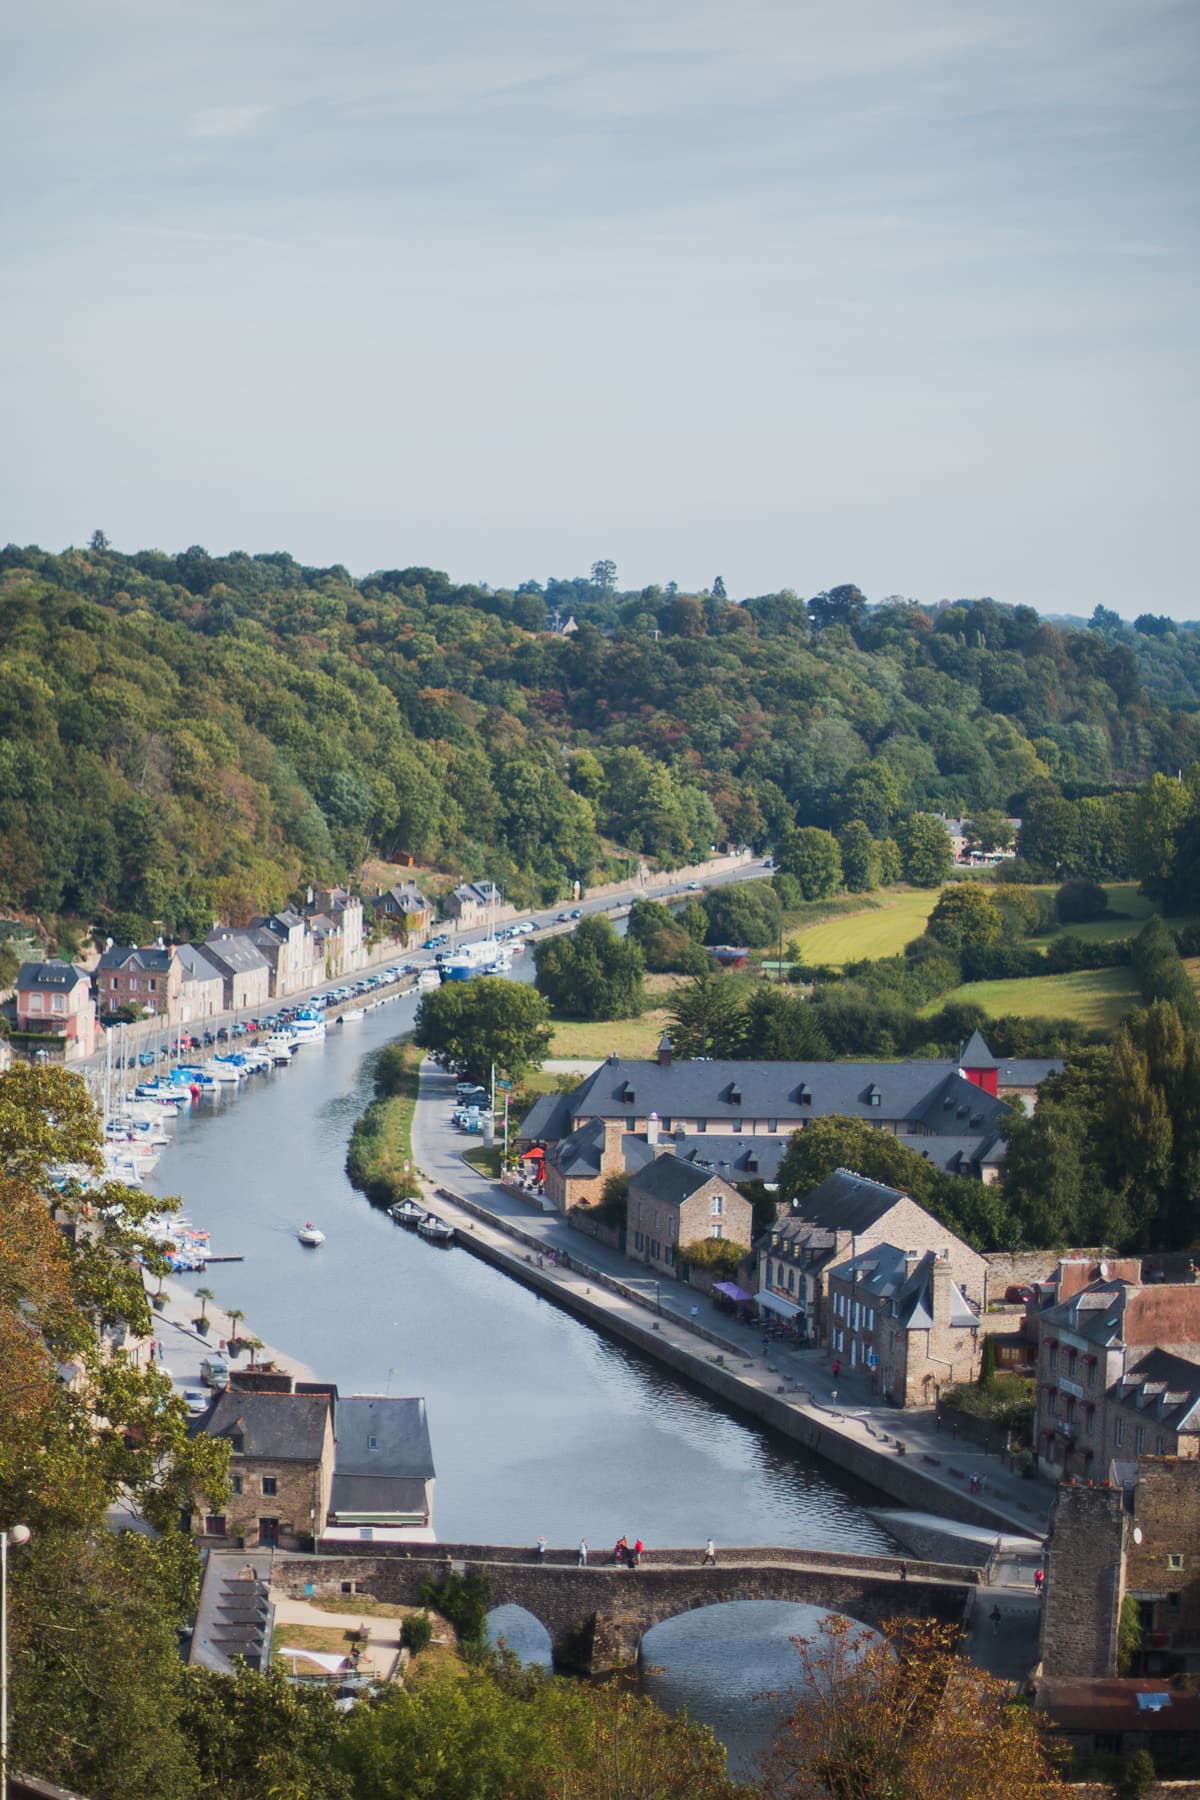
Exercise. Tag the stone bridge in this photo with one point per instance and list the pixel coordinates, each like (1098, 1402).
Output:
(597, 1617)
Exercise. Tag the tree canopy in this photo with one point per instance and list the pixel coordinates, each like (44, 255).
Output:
(591, 973)
(473, 1026)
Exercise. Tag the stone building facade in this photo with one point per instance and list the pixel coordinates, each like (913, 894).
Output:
(902, 1317)
(281, 1468)
(672, 1204)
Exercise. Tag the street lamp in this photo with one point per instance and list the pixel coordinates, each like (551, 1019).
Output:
(657, 1298)
(15, 1535)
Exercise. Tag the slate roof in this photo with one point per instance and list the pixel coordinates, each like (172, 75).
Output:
(580, 1152)
(195, 965)
(380, 1497)
(400, 1431)
(976, 1055)
(235, 952)
(882, 1272)
(845, 1201)
(549, 1117)
(283, 1427)
(58, 977)
(929, 1091)
(735, 1159)
(234, 1614)
(154, 958)
(669, 1180)
(1096, 1312)
(1164, 1388)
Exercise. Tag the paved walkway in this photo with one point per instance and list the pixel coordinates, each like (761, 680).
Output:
(691, 1321)
(180, 1348)
(383, 1635)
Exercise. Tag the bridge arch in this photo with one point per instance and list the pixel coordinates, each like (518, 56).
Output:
(523, 1633)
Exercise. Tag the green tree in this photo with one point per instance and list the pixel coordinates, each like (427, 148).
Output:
(988, 831)
(706, 1018)
(1079, 900)
(469, 1026)
(964, 918)
(813, 858)
(891, 863)
(591, 973)
(925, 849)
(860, 858)
(782, 1027)
(747, 913)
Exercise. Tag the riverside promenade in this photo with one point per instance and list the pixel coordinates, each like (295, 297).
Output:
(900, 1452)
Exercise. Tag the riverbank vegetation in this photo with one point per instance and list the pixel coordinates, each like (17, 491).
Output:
(379, 1160)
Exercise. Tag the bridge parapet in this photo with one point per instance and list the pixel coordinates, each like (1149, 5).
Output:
(596, 1617)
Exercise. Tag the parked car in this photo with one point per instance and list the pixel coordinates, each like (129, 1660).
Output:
(577, 913)
(1018, 1295)
(146, 1058)
(223, 1034)
(562, 919)
(196, 1401)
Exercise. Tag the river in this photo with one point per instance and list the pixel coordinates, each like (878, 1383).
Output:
(540, 1424)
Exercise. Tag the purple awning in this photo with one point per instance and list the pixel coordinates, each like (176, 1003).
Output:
(731, 1290)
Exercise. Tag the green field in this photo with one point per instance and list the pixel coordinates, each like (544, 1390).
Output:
(600, 1038)
(1096, 997)
(882, 928)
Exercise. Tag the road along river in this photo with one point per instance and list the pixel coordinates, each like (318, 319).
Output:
(540, 1425)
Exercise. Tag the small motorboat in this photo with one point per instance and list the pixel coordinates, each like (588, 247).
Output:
(354, 1015)
(311, 1237)
(435, 1230)
(407, 1212)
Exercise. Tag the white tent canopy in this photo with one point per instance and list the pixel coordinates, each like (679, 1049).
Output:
(776, 1304)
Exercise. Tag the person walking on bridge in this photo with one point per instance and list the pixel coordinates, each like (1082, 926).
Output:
(541, 1549)
(709, 1559)
(583, 1553)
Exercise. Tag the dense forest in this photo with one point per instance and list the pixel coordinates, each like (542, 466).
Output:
(189, 736)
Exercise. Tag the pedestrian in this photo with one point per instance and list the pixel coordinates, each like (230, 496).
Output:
(1039, 1580)
(835, 1368)
(636, 1554)
(541, 1549)
(710, 1554)
(620, 1548)
(583, 1553)
(904, 1571)
(995, 1616)
(766, 1343)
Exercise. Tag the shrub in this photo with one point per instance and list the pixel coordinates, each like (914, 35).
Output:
(1078, 900)
(416, 1633)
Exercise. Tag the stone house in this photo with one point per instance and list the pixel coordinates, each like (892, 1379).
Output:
(952, 1113)
(287, 944)
(1139, 1539)
(55, 1011)
(846, 1215)
(472, 903)
(202, 989)
(406, 909)
(1098, 1397)
(339, 939)
(383, 1472)
(281, 1468)
(901, 1316)
(245, 971)
(151, 978)
(672, 1204)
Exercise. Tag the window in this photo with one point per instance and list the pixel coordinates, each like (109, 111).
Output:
(772, 1124)
(1052, 1355)
(366, 1532)
(717, 1207)
(639, 1242)
(235, 1482)
(59, 1003)
(214, 1524)
(791, 1281)
(238, 1442)
(1091, 1420)
(631, 1123)
(1091, 1369)
(1119, 1434)
(716, 1231)
(270, 1486)
(1175, 1561)
(153, 984)
(666, 1123)
(372, 1443)
(654, 1249)
(737, 1124)
(1139, 1440)
(701, 1124)
(1160, 1445)
(769, 1277)
(669, 1258)
(1072, 1359)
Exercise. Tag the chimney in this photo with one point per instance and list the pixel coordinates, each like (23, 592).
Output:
(652, 1129)
(665, 1056)
(611, 1160)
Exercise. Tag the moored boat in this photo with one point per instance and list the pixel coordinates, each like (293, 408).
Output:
(407, 1212)
(435, 1230)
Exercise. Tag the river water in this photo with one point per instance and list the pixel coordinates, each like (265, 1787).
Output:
(540, 1424)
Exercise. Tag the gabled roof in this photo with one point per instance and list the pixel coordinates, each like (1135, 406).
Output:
(1096, 1312)
(381, 1437)
(195, 965)
(234, 951)
(845, 1201)
(883, 1274)
(283, 1427)
(549, 1117)
(234, 1615)
(152, 958)
(975, 1054)
(579, 1153)
(60, 977)
(668, 1180)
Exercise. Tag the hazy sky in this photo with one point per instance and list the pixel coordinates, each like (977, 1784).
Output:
(900, 292)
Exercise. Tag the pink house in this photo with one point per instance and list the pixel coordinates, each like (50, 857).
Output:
(54, 1001)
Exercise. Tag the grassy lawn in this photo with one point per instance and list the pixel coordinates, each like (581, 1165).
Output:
(881, 928)
(335, 1640)
(597, 1038)
(486, 1161)
(1096, 997)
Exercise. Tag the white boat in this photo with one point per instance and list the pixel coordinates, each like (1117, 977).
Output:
(279, 1048)
(308, 1027)
(353, 1015)
(225, 1074)
(407, 1212)
(311, 1237)
(428, 980)
(435, 1230)
(488, 957)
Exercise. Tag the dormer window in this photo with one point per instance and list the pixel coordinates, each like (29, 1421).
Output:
(735, 1095)
(874, 1097)
(238, 1442)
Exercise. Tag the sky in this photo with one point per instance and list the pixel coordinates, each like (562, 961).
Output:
(793, 292)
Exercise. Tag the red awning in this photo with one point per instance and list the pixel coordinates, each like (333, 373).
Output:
(537, 1154)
